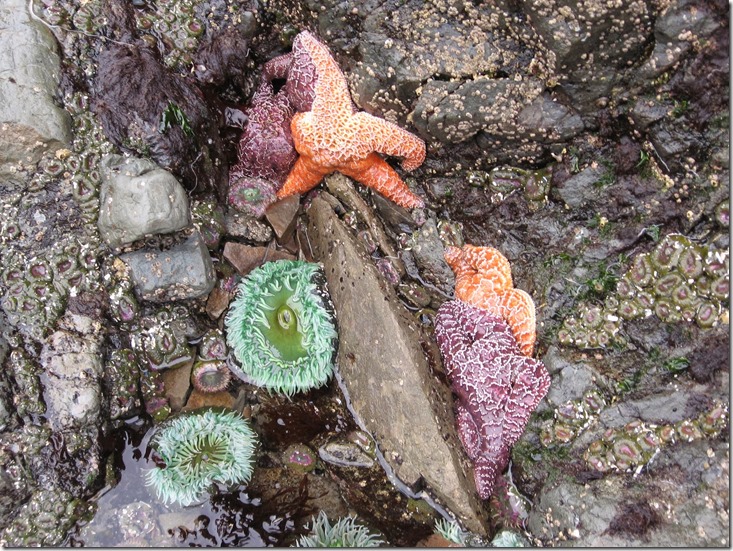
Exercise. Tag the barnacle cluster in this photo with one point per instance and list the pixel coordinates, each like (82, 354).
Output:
(634, 445)
(37, 287)
(198, 449)
(505, 180)
(679, 280)
(281, 327)
(572, 418)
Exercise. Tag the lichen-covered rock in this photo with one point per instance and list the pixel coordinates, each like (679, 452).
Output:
(182, 272)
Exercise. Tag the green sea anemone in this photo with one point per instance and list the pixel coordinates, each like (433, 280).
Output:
(344, 533)
(198, 449)
(451, 531)
(281, 327)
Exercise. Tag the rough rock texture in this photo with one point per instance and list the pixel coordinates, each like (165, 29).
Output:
(138, 198)
(386, 373)
(72, 363)
(30, 120)
(182, 272)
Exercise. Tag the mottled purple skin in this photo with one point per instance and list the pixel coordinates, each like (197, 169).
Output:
(496, 386)
(265, 152)
(300, 72)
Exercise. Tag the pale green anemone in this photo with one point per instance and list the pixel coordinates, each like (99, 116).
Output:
(198, 449)
(345, 532)
(281, 327)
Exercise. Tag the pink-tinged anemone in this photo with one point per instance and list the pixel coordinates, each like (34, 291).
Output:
(496, 386)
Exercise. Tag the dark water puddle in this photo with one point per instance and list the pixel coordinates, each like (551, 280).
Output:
(275, 507)
(129, 514)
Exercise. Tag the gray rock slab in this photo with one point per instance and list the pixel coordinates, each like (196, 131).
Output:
(72, 369)
(183, 272)
(139, 198)
(30, 120)
(427, 250)
(386, 373)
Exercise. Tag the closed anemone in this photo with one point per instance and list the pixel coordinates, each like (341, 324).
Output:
(281, 327)
(198, 449)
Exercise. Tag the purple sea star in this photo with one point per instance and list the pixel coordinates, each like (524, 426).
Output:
(496, 386)
(265, 152)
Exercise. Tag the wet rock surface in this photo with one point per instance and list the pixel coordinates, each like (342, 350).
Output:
(30, 119)
(182, 272)
(138, 198)
(378, 349)
(618, 116)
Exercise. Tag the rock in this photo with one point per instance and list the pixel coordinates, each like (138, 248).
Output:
(282, 216)
(654, 510)
(184, 271)
(245, 258)
(217, 302)
(386, 374)
(242, 225)
(138, 198)
(548, 116)
(345, 454)
(570, 380)
(177, 383)
(580, 189)
(30, 120)
(427, 250)
(72, 362)
(199, 399)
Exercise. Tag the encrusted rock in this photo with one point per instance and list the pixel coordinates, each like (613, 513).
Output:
(385, 371)
(139, 198)
(183, 272)
(72, 363)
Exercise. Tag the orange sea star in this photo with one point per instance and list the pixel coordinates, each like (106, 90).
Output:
(334, 136)
(484, 279)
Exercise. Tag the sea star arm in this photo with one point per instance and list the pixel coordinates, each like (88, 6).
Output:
(530, 385)
(517, 307)
(468, 432)
(304, 176)
(277, 67)
(374, 172)
(388, 138)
